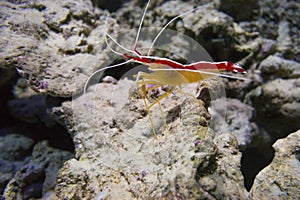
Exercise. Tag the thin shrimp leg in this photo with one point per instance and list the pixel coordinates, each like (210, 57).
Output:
(157, 101)
(144, 97)
(149, 89)
(143, 93)
(146, 79)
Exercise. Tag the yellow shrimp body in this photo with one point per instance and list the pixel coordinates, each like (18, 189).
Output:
(175, 78)
(170, 76)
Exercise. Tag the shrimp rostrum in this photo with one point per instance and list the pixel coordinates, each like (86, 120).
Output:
(164, 71)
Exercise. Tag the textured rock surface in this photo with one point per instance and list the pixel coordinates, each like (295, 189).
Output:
(275, 67)
(240, 10)
(229, 179)
(41, 39)
(38, 176)
(280, 100)
(280, 20)
(14, 153)
(281, 179)
(238, 120)
(118, 157)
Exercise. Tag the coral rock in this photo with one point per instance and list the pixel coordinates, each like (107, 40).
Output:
(280, 179)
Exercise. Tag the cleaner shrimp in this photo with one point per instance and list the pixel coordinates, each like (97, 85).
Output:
(165, 71)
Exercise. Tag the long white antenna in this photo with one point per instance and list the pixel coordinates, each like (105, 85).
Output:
(115, 41)
(185, 13)
(140, 26)
(99, 70)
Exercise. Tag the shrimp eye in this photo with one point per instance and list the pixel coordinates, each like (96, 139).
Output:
(152, 59)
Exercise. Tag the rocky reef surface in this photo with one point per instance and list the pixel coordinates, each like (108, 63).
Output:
(210, 140)
(34, 175)
(281, 178)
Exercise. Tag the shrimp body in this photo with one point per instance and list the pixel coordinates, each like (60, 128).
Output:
(169, 72)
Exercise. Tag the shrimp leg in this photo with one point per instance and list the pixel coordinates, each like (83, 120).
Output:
(147, 79)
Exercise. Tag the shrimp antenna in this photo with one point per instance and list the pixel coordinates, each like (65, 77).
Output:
(181, 15)
(102, 69)
(115, 41)
(140, 26)
(105, 37)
